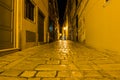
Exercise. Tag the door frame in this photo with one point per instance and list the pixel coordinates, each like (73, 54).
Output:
(41, 13)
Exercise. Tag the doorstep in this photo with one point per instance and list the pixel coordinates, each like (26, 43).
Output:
(8, 51)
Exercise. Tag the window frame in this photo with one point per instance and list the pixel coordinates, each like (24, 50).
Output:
(29, 10)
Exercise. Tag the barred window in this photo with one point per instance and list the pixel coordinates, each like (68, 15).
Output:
(29, 10)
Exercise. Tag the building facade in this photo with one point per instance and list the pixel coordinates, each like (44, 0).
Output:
(53, 21)
(65, 35)
(95, 23)
(70, 20)
(23, 23)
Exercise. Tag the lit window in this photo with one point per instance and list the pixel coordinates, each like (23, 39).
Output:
(29, 10)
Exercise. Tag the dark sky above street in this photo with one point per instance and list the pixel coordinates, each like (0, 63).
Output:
(61, 8)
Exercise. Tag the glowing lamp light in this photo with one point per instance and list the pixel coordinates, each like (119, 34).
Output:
(64, 28)
(60, 34)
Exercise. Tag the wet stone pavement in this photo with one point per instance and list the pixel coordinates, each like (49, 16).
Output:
(60, 60)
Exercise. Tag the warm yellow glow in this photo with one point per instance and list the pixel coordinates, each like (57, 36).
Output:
(99, 24)
(60, 34)
(64, 28)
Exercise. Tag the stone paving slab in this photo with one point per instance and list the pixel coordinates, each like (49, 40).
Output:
(97, 79)
(12, 78)
(34, 78)
(85, 67)
(1, 70)
(53, 62)
(63, 74)
(77, 74)
(46, 74)
(28, 74)
(110, 66)
(11, 73)
(60, 60)
(106, 61)
(65, 62)
(72, 67)
(113, 73)
(73, 79)
(51, 67)
(24, 66)
(92, 73)
(51, 79)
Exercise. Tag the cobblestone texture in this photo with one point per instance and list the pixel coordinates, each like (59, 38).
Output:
(28, 74)
(60, 60)
(11, 73)
(46, 74)
(63, 74)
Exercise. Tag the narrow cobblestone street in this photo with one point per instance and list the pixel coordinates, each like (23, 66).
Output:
(60, 60)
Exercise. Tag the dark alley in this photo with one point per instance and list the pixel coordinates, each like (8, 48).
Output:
(59, 40)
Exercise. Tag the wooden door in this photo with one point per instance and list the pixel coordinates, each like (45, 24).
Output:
(6, 24)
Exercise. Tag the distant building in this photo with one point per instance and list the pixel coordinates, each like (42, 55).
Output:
(53, 21)
(70, 20)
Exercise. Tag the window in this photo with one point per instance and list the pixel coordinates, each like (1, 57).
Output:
(77, 21)
(29, 10)
(76, 2)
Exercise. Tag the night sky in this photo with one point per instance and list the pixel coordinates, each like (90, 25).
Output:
(61, 8)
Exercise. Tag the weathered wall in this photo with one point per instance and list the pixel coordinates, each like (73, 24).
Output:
(101, 24)
(24, 24)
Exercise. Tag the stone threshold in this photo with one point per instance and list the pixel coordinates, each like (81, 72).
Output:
(8, 51)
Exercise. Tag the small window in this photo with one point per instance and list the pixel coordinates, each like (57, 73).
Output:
(29, 10)
(77, 21)
(76, 2)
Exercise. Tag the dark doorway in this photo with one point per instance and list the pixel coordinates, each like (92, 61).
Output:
(77, 28)
(40, 27)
